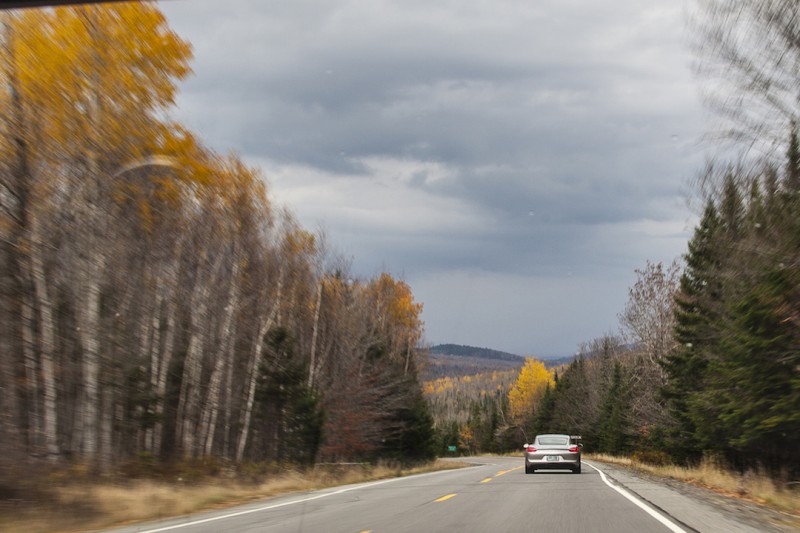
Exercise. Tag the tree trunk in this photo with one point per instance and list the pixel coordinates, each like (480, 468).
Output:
(189, 403)
(314, 333)
(90, 343)
(47, 346)
(255, 359)
(211, 406)
(161, 375)
(31, 374)
(161, 358)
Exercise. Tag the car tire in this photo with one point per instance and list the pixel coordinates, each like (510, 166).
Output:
(577, 469)
(529, 470)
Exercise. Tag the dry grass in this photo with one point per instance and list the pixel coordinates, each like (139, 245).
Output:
(753, 486)
(81, 505)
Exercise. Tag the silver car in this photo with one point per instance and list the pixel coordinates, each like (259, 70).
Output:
(556, 452)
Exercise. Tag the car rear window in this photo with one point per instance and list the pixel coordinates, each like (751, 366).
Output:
(553, 440)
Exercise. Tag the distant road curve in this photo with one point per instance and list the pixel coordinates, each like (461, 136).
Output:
(494, 495)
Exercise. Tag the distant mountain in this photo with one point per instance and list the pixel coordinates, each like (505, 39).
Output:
(457, 360)
(552, 363)
(471, 351)
(454, 361)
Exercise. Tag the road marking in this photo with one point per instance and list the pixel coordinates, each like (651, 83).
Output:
(443, 498)
(487, 480)
(284, 504)
(646, 508)
(507, 471)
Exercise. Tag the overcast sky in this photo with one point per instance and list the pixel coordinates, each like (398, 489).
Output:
(512, 160)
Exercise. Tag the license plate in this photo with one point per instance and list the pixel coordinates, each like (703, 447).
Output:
(552, 458)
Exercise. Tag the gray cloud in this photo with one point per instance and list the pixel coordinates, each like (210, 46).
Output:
(544, 141)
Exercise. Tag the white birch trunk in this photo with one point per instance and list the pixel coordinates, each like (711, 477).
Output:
(226, 442)
(212, 403)
(161, 358)
(189, 402)
(163, 369)
(190, 381)
(46, 351)
(150, 353)
(314, 333)
(31, 373)
(255, 359)
(90, 343)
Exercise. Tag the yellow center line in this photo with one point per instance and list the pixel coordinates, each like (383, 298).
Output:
(507, 471)
(443, 498)
(487, 480)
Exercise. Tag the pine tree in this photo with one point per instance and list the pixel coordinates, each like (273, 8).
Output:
(759, 393)
(613, 422)
(697, 304)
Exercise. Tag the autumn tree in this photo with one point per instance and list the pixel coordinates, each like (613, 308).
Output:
(648, 323)
(84, 89)
(155, 302)
(526, 394)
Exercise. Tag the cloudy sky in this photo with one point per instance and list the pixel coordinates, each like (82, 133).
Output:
(512, 160)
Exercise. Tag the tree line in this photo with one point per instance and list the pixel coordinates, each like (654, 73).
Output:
(709, 358)
(155, 300)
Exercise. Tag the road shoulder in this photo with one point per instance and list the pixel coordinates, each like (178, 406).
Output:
(699, 509)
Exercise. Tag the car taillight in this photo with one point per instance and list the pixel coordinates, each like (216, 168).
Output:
(531, 449)
(574, 449)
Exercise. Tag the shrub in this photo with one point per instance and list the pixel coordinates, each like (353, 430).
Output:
(652, 457)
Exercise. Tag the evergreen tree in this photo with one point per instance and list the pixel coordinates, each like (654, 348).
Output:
(731, 209)
(614, 423)
(416, 441)
(697, 305)
(289, 415)
(544, 418)
(759, 393)
(574, 412)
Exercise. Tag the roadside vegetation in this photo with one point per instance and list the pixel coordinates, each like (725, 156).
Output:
(157, 302)
(74, 500)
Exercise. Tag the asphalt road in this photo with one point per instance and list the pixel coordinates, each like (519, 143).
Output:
(493, 496)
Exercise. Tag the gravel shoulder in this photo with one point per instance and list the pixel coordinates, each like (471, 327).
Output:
(697, 508)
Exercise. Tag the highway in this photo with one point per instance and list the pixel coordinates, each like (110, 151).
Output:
(493, 496)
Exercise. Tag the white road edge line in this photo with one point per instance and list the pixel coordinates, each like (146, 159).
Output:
(293, 502)
(646, 508)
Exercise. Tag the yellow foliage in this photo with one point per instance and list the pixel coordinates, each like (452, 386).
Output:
(301, 242)
(466, 437)
(93, 79)
(398, 301)
(527, 392)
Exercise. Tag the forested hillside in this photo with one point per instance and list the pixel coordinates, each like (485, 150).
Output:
(453, 361)
(472, 351)
(468, 410)
(156, 301)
